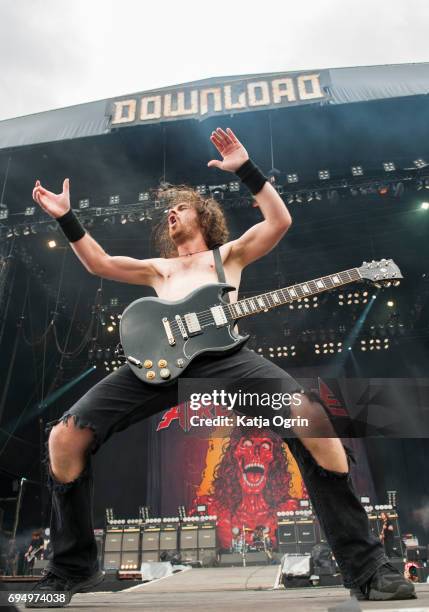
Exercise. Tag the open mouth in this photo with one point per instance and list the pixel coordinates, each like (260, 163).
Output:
(254, 474)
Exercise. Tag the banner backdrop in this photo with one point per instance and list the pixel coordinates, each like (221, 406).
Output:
(243, 478)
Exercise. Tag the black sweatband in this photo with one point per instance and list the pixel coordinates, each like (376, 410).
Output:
(71, 226)
(251, 176)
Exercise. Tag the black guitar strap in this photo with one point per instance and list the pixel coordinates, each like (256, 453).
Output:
(220, 271)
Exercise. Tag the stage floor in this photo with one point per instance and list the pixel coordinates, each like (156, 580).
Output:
(232, 589)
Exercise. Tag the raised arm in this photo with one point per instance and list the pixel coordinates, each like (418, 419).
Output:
(90, 253)
(262, 237)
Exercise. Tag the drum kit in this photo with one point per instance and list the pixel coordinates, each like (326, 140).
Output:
(260, 542)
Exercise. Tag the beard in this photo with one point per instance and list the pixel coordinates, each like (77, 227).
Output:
(179, 233)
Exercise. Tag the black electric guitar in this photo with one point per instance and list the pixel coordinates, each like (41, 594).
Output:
(161, 338)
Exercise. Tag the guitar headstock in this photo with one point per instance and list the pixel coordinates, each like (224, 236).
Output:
(384, 272)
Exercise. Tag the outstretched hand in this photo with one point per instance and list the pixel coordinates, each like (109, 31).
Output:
(233, 153)
(55, 204)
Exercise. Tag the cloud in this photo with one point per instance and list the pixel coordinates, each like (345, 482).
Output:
(55, 53)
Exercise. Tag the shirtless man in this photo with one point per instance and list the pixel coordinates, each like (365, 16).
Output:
(121, 399)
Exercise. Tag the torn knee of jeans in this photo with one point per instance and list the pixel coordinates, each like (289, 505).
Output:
(52, 482)
(80, 423)
(63, 487)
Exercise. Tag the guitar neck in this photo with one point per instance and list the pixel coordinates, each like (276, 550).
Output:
(279, 297)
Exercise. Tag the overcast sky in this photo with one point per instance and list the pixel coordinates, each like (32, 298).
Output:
(55, 53)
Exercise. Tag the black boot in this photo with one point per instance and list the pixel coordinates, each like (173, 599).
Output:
(385, 584)
(55, 592)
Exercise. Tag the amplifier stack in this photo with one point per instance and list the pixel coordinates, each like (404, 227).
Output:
(130, 543)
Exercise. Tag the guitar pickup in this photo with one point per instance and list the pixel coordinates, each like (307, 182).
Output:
(192, 323)
(219, 316)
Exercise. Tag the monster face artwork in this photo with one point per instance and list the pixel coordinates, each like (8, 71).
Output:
(251, 483)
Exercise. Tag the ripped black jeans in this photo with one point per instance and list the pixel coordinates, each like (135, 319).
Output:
(121, 399)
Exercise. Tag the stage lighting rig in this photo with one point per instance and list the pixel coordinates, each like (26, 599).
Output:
(356, 297)
(420, 163)
(114, 199)
(144, 196)
(357, 171)
(324, 175)
(84, 203)
(218, 191)
(4, 212)
(389, 166)
(292, 177)
(29, 211)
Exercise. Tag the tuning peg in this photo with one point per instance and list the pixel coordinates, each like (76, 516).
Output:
(396, 283)
(387, 284)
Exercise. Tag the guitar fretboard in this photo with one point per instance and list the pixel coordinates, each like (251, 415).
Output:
(278, 297)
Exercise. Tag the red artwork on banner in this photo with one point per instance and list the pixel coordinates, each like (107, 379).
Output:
(250, 483)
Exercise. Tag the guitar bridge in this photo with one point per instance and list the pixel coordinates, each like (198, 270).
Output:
(169, 333)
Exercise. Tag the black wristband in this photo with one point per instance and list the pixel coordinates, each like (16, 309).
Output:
(251, 176)
(71, 226)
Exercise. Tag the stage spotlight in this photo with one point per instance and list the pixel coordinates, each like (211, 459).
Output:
(354, 191)
(424, 205)
(390, 303)
(310, 197)
(357, 170)
(114, 199)
(290, 199)
(144, 196)
(16, 231)
(131, 218)
(389, 166)
(26, 231)
(324, 175)
(4, 212)
(234, 186)
(419, 185)
(201, 189)
(52, 244)
(298, 198)
(420, 163)
(29, 211)
(9, 233)
(84, 203)
(318, 195)
(292, 177)
(383, 190)
(426, 183)
(123, 219)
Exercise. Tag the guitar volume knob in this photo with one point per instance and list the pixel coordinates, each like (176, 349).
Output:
(162, 363)
(147, 363)
(150, 375)
(165, 373)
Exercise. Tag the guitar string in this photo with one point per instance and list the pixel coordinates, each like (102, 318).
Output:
(206, 316)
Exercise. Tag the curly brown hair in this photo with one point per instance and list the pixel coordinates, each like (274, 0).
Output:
(210, 216)
(226, 488)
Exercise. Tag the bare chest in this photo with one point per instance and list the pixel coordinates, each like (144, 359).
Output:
(183, 275)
